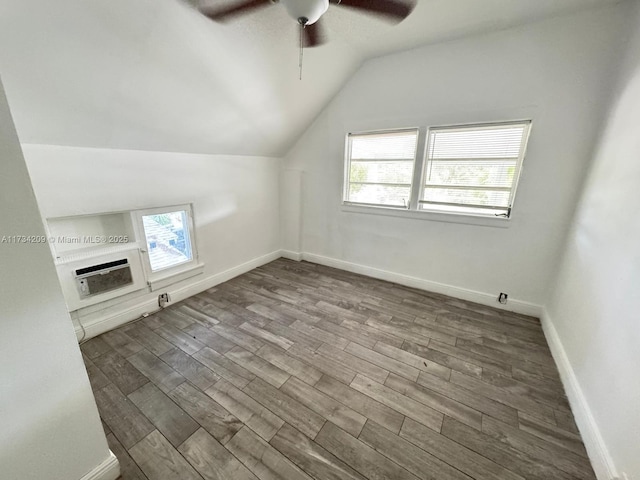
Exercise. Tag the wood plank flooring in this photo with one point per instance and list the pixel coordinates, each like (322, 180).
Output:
(299, 371)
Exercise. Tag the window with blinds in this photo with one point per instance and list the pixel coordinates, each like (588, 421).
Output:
(380, 168)
(473, 169)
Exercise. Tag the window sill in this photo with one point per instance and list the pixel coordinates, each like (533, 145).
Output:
(468, 219)
(169, 278)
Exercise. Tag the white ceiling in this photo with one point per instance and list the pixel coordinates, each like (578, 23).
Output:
(157, 75)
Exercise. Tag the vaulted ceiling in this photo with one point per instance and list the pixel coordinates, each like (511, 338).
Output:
(157, 75)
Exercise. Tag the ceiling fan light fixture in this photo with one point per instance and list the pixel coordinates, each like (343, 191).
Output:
(311, 10)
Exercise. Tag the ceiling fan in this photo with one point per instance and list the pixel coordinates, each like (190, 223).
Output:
(308, 12)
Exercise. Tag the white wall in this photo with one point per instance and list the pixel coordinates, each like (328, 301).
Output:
(156, 75)
(556, 72)
(236, 199)
(50, 424)
(595, 305)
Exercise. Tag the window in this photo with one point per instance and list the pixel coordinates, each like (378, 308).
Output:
(471, 169)
(380, 168)
(168, 238)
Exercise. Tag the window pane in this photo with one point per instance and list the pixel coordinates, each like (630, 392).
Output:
(168, 241)
(380, 195)
(473, 173)
(381, 167)
(472, 167)
(381, 172)
(470, 197)
(384, 146)
(477, 142)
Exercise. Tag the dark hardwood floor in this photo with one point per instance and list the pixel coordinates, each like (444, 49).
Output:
(299, 371)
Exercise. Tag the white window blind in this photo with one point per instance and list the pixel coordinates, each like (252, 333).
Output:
(380, 168)
(168, 238)
(473, 169)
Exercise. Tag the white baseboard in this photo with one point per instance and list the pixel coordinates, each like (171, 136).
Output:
(115, 318)
(291, 255)
(598, 453)
(601, 460)
(482, 298)
(107, 470)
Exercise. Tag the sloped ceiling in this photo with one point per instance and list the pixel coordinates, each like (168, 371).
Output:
(157, 75)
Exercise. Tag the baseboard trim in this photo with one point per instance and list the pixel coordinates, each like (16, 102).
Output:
(601, 460)
(291, 255)
(482, 298)
(107, 470)
(113, 320)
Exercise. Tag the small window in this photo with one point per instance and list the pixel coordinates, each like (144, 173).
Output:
(380, 168)
(473, 169)
(168, 237)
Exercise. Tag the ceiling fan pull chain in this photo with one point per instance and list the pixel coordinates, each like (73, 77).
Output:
(301, 47)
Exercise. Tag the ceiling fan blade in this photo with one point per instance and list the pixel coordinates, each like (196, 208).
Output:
(222, 14)
(314, 35)
(396, 10)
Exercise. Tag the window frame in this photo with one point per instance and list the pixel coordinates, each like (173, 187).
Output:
(421, 163)
(476, 126)
(347, 167)
(171, 271)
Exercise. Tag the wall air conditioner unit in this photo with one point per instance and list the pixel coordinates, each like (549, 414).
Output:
(103, 277)
(99, 277)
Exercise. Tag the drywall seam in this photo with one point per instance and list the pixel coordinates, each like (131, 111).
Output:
(601, 460)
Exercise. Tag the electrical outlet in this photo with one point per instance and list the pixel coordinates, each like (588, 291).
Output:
(502, 298)
(163, 299)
